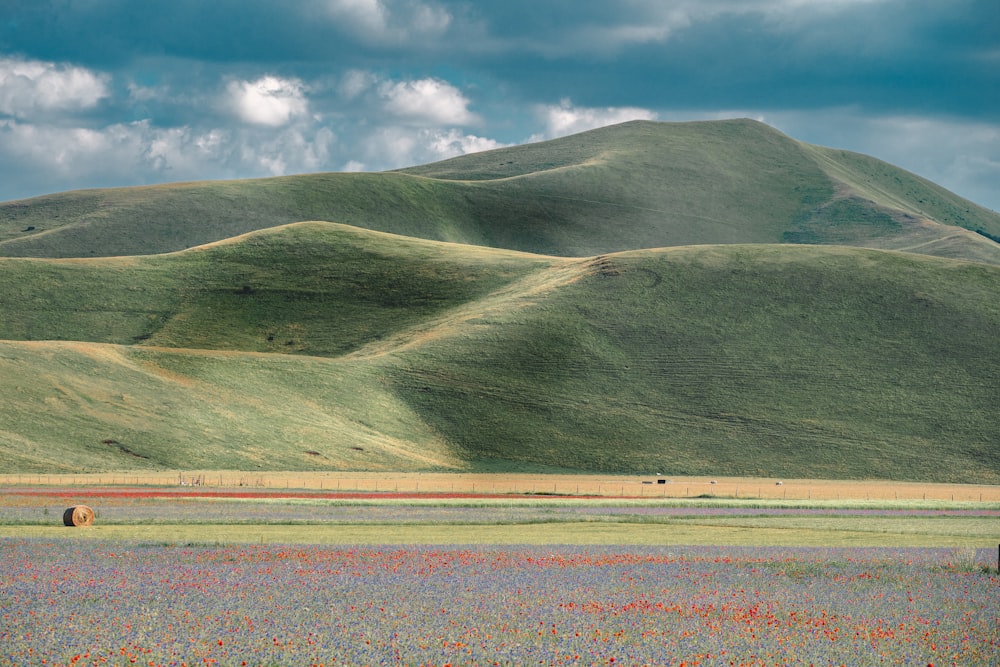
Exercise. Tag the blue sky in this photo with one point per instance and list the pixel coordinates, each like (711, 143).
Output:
(98, 93)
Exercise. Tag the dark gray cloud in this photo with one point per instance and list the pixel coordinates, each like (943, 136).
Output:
(115, 92)
(888, 57)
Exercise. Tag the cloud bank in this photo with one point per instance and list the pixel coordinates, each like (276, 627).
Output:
(30, 88)
(186, 90)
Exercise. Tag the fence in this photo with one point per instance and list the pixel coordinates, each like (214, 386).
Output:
(525, 484)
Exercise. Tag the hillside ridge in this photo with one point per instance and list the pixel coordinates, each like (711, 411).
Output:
(641, 184)
(755, 359)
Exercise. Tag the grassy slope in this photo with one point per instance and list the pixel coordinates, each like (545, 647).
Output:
(761, 360)
(309, 289)
(642, 185)
(881, 206)
(76, 407)
(635, 185)
(725, 360)
(321, 346)
(166, 218)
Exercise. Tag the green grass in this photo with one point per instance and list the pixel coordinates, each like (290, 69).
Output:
(893, 188)
(326, 347)
(726, 360)
(312, 288)
(318, 345)
(635, 185)
(777, 533)
(74, 408)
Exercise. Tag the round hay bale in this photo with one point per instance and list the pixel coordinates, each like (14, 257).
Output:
(78, 515)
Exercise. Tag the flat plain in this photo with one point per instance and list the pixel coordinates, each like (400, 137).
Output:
(470, 571)
(411, 508)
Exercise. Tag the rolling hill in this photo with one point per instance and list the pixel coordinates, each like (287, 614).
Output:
(636, 185)
(686, 298)
(318, 345)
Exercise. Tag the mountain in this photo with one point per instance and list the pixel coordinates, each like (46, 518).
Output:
(636, 185)
(763, 340)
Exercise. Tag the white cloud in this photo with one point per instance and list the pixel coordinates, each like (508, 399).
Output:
(31, 86)
(368, 15)
(67, 154)
(356, 82)
(427, 101)
(563, 119)
(270, 100)
(452, 143)
(138, 153)
(390, 22)
(176, 150)
(291, 151)
(429, 19)
(392, 147)
(655, 24)
(784, 7)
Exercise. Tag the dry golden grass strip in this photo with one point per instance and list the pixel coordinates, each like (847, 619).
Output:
(609, 485)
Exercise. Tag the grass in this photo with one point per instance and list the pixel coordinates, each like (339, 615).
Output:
(317, 346)
(322, 346)
(635, 185)
(704, 532)
(747, 507)
(760, 360)
(273, 291)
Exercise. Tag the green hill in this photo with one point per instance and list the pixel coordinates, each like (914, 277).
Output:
(310, 288)
(693, 298)
(635, 185)
(320, 346)
(739, 360)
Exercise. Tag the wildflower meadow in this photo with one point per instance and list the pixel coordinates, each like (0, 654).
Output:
(94, 602)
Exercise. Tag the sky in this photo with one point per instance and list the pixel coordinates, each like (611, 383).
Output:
(104, 93)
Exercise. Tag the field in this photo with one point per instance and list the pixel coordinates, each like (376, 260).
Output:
(74, 603)
(507, 484)
(434, 569)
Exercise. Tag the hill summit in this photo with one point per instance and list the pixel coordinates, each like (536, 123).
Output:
(636, 185)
